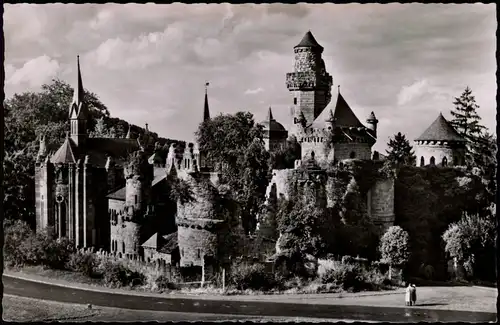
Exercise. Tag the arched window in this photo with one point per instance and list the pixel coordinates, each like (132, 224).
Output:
(433, 161)
(422, 161)
(444, 162)
(352, 155)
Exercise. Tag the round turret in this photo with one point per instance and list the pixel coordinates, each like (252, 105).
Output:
(199, 222)
(372, 122)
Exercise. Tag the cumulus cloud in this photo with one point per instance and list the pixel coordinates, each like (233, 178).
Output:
(158, 57)
(409, 93)
(253, 91)
(35, 72)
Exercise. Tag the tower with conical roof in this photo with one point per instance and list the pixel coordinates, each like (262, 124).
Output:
(440, 145)
(309, 84)
(78, 112)
(275, 134)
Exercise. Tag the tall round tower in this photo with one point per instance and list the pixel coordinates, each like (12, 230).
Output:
(139, 176)
(310, 83)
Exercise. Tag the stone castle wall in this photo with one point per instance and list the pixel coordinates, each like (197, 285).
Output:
(280, 178)
(195, 243)
(426, 150)
(361, 151)
(381, 203)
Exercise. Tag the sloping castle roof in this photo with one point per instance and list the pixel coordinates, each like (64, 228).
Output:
(271, 125)
(309, 41)
(440, 130)
(342, 113)
(67, 153)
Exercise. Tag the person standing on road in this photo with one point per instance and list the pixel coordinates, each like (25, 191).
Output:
(408, 295)
(413, 295)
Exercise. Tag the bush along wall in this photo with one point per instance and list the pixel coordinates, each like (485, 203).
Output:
(429, 199)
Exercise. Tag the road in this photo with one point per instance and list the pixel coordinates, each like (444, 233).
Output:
(25, 288)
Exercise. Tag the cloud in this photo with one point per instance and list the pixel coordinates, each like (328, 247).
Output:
(156, 58)
(35, 72)
(253, 91)
(416, 89)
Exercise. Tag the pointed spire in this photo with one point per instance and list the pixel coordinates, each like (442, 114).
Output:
(127, 136)
(206, 110)
(270, 114)
(309, 41)
(77, 108)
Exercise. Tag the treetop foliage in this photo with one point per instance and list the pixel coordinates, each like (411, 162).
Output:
(400, 151)
(395, 246)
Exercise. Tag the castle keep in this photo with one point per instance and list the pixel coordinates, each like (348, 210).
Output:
(115, 194)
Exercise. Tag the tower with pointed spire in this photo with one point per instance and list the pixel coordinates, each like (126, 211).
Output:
(78, 112)
(440, 145)
(310, 84)
(275, 134)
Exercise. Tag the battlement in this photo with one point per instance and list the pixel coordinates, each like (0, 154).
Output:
(308, 80)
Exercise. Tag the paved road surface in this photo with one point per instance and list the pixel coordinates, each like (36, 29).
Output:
(25, 288)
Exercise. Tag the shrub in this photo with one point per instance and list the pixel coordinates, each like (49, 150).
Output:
(251, 276)
(23, 247)
(164, 283)
(16, 233)
(347, 276)
(85, 263)
(117, 275)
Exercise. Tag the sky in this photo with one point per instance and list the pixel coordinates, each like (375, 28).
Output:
(148, 63)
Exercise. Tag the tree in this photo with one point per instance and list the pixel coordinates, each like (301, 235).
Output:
(472, 242)
(467, 123)
(235, 147)
(102, 131)
(285, 157)
(400, 151)
(395, 247)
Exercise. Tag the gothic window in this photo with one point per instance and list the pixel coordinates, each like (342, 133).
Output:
(295, 100)
(135, 199)
(188, 164)
(422, 161)
(445, 162)
(123, 246)
(352, 155)
(433, 161)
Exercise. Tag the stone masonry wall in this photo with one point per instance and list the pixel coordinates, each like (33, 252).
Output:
(381, 203)
(115, 206)
(280, 178)
(361, 151)
(438, 151)
(195, 243)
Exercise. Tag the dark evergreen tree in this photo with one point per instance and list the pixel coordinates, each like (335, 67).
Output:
(467, 123)
(400, 151)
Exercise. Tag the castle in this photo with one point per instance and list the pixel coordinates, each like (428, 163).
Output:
(113, 194)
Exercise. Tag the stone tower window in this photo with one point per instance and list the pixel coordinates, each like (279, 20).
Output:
(182, 252)
(295, 100)
(444, 162)
(422, 161)
(123, 246)
(433, 161)
(352, 155)
(198, 254)
(135, 199)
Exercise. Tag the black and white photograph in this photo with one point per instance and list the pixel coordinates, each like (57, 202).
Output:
(250, 162)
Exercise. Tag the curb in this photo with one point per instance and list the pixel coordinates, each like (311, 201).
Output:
(280, 298)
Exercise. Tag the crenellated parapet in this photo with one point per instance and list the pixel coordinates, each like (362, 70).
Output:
(308, 80)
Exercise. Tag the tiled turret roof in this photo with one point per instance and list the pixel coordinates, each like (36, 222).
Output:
(440, 130)
(309, 41)
(66, 153)
(343, 115)
(270, 124)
